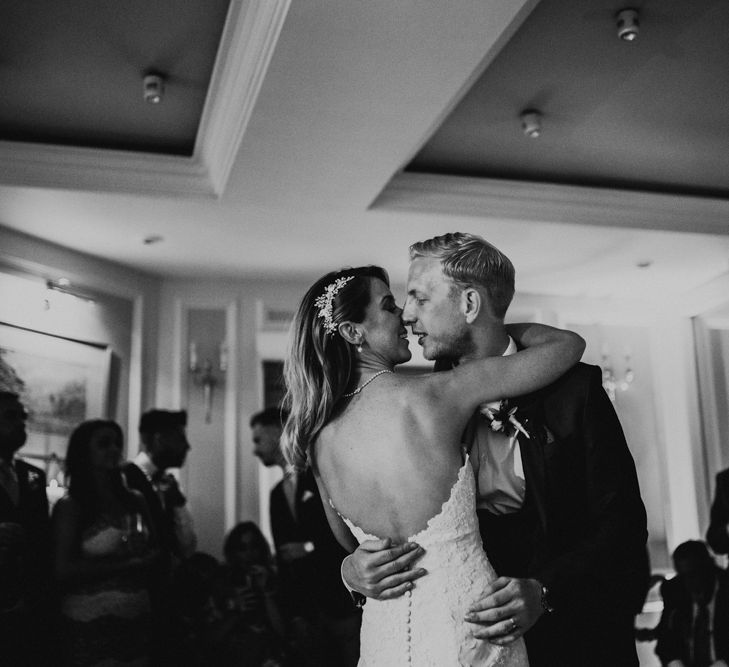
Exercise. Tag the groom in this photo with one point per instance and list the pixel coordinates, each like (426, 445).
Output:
(559, 506)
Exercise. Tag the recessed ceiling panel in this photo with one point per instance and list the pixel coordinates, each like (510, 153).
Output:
(648, 114)
(71, 73)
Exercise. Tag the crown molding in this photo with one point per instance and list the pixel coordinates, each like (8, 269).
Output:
(544, 202)
(251, 31)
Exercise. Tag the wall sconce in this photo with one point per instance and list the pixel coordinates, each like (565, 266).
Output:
(611, 382)
(55, 477)
(204, 374)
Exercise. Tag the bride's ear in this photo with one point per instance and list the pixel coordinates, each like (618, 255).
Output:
(350, 333)
(471, 303)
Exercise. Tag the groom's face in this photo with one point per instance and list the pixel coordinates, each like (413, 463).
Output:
(433, 311)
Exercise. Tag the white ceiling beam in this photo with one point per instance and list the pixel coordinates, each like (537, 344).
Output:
(543, 202)
(251, 31)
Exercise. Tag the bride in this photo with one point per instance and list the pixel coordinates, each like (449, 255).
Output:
(386, 452)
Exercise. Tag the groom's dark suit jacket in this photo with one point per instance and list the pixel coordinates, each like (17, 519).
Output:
(586, 524)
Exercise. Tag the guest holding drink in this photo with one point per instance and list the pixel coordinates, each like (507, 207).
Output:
(247, 628)
(103, 552)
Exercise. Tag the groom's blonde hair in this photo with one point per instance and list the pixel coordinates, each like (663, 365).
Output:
(467, 259)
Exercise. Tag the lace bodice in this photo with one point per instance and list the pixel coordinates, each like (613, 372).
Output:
(425, 627)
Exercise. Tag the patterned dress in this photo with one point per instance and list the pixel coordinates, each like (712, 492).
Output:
(106, 622)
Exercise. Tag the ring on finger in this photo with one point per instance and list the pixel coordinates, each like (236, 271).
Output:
(513, 625)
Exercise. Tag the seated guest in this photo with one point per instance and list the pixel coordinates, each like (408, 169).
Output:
(193, 586)
(694, 626)
(26, 600)
(102, 553)
(247, 629)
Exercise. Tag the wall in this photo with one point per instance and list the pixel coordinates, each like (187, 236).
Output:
(636, 410)
(123, 316)
(211, 312)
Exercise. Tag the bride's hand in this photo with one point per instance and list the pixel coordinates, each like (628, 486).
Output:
(381, 571)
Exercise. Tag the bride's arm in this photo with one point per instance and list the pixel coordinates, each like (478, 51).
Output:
(549, 353)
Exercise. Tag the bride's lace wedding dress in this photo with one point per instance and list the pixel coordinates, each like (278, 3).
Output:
(425, 627)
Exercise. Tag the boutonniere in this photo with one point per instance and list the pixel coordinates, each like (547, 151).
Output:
(307, 495)
(503, 418)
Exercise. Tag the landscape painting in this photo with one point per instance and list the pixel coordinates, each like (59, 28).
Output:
(60, 381)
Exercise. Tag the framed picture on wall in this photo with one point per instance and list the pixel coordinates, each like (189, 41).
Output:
(61, 382)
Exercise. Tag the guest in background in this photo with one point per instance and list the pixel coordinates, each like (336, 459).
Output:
(718, 534)
(324, 618)
(102, 553)
(26, 593)
(193, 588)
(164, 446)
(248, 627)
(694, 626)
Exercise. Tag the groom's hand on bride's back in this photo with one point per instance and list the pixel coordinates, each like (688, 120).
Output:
(379, 570)
(507, 610)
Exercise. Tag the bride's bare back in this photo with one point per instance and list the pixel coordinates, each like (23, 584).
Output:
(389, 460)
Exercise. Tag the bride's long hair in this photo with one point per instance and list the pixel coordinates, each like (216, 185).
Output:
(319, 364)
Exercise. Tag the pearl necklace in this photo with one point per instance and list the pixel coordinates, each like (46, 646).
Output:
(362, 386)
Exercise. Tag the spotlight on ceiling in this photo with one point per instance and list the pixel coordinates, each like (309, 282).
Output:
(154, 88)
(628, 24)
(531, 123)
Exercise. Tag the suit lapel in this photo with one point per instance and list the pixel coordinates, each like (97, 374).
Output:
(532, 454)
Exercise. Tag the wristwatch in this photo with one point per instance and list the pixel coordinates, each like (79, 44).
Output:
(545, 600)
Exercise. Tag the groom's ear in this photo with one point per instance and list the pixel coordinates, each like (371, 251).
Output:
(471, 303)
(350, 333)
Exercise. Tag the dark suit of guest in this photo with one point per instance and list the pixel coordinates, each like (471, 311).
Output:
(718, 534)
(582, 528)
(674, 632)
(29, 626)
(312, 585)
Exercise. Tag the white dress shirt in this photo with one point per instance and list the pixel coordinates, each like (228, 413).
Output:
(497, 462)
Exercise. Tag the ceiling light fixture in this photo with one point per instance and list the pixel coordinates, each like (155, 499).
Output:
(628, 24)
(154, 88)
(531, 123)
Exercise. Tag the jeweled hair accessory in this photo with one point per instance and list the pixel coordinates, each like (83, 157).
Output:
(325, 301)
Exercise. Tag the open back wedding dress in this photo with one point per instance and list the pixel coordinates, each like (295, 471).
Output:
(425, 627)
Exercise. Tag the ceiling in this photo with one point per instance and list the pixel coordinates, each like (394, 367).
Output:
(303, 136)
